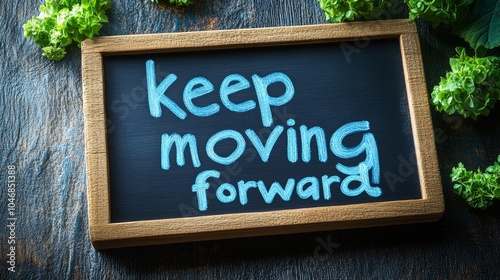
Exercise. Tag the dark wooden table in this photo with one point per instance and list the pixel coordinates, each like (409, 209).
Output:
(41, 127)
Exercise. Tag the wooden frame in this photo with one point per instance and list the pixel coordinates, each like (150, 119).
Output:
(105, 234)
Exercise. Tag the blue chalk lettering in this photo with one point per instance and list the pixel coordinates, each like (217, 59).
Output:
(156, 94)
(368, 145)
(201, 186)
(228, 87)
(265, 101)
(276, 188)
(221, 135)
(311, 191)
(243, 189)
(336, 144)
(197, 87)
(364, 186)
(305, 137)
(180, 144)
(223, 197)
(326, 182)
(264, 150)
(291, 149)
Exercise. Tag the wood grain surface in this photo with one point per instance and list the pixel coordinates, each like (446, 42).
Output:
(41, 129)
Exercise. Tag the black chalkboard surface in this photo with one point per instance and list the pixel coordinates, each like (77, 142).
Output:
(332, 88)
(220, 134)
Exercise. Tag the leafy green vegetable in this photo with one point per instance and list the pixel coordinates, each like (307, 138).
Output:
(63, 22)
(471, 88)
(178, 2)
(349, 10)
(477, 188)
(481, 28)
(438, 11)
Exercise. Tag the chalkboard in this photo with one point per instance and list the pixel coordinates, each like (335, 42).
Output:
(218, 134)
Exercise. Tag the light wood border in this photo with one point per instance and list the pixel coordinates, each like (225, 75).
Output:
(105, 234)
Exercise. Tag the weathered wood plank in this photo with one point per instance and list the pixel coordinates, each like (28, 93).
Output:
(41, 128)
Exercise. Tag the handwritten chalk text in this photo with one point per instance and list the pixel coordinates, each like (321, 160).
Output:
(364, 176)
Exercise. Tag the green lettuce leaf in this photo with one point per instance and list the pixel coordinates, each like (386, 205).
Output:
(481, 27)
